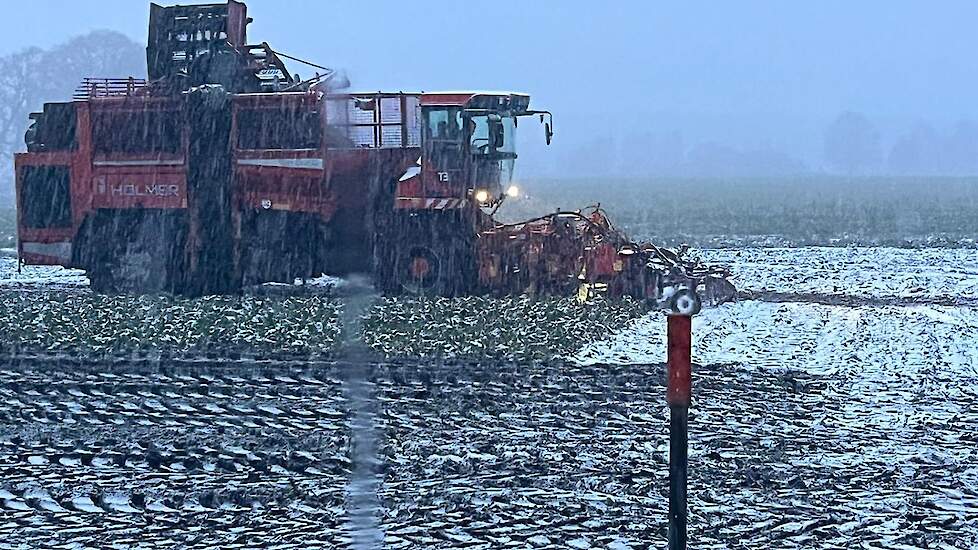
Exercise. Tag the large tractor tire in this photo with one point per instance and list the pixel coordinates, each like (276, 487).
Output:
(426, 253)
(281, 247)
(132, 251)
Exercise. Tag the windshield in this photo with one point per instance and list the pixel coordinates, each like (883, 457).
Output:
(492, 143)
(491, 134)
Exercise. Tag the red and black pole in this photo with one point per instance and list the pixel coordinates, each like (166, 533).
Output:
(678, 393)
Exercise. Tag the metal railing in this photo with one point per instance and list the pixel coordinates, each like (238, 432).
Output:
(108, 87)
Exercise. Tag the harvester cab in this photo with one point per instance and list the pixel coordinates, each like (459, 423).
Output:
(434, 240)
(468, 148)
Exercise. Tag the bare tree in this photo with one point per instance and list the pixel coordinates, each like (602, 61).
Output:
(16, 100)
(31, 77)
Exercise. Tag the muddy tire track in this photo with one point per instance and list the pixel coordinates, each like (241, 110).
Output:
(480, 456)
(217, 457)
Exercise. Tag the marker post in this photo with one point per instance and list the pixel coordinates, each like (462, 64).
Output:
(678, 396)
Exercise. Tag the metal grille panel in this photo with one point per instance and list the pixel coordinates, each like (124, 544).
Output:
(376, 121)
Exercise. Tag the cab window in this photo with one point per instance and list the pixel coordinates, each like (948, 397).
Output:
(443, 124)
(45, 195)
(443, 139)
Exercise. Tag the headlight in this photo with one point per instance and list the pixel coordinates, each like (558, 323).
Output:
(482, 196)
(513, 192)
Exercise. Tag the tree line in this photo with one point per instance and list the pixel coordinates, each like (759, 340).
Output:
(853, 145)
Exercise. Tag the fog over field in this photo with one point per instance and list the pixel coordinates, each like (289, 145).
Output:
(756, 88)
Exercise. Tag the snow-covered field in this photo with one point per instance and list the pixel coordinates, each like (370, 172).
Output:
(808, 337)
(884, 451)
(37, 275)
(929, 273)
(838, 410)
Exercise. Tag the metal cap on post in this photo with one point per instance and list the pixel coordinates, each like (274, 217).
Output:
(678, 396)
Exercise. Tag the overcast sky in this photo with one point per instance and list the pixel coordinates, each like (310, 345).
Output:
(749, 73)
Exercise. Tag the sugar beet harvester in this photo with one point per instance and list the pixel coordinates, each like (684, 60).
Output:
(224, 170)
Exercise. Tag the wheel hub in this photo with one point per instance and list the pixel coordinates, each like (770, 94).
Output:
(419, 270)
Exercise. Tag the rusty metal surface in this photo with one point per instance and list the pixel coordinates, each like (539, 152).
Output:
(582, 251)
